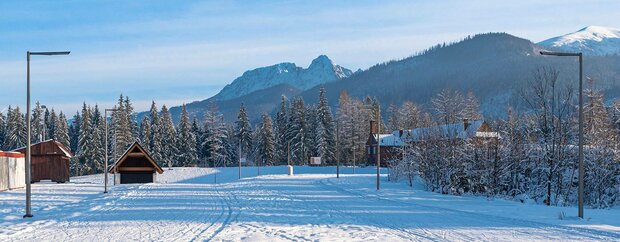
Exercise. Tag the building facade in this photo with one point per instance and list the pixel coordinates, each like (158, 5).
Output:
(393, 145)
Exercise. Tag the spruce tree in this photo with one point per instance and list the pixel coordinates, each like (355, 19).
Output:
(243, 131)
(61, 131)
(117, 124)
(48, 122)
(15, 136)
(298, 132)
(74, 132)
(98, 142)
(224, 134)
(51, 128)
(198, 133)
(156, 136)
(132, 130)
(123, 125)
(36, 123)
(314, 130)
(145, 133)
(214, 137)
(281, 129)
(266, 142)
(168, 137)
(186, 142)
(2, 129)
(326, 139)
(84, 153)
(231, 153)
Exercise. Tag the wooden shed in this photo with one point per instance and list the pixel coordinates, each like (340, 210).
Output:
(135, 166)
(50, 161)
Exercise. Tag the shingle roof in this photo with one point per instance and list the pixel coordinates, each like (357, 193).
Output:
(62, 147)
(123, 157)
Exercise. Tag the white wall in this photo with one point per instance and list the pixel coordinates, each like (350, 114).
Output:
(12, 173)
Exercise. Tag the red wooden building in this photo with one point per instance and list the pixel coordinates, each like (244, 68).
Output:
(391, 146)
(50, 161)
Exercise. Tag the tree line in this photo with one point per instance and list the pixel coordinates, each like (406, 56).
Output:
(535, 158)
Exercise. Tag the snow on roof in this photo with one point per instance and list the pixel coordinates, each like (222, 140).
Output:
(447, 131)
(390, 139)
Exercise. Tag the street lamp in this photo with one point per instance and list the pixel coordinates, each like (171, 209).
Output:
(28, 143)
(105, 119)
(581, 169)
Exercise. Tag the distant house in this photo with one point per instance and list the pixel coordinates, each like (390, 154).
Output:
(135, 166)
(476, 131)
(391, 146)
(50, 161)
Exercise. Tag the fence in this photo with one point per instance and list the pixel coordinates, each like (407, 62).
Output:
(12, 171)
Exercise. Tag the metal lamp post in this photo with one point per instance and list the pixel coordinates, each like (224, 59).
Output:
(105, 119)
(581, 168)
(28, 139)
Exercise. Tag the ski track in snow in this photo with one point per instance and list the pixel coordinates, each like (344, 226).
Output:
(306, 207)
(586, 234)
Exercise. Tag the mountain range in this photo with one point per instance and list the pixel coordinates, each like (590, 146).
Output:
(592, 41)
(494, 66)
(321, 70)
(260, 89)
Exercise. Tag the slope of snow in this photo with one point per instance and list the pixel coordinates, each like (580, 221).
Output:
(321, 70)
(199, 204)
(592, 40)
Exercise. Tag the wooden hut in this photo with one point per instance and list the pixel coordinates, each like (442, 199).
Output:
(135, 166)
(50, 161)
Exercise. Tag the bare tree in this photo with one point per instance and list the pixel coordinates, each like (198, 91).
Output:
(551, 119)
(449, 106)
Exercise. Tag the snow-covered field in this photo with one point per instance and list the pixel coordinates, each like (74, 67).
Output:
(195, 204)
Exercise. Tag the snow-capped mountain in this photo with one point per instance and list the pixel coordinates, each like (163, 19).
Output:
(592, 40)
(321, 70)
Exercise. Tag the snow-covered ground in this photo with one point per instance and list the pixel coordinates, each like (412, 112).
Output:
(195, 204)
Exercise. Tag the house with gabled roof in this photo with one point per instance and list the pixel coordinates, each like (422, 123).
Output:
(392, 144)
(135, 166)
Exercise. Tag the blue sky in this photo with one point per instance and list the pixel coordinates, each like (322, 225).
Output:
(179, 51)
